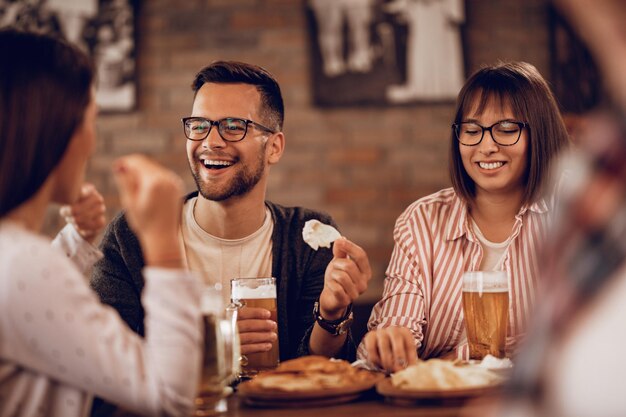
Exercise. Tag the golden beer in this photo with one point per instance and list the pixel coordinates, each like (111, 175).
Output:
(263, 360)
(486, 311)
(220, 353)
(257, 293)
(212, 375)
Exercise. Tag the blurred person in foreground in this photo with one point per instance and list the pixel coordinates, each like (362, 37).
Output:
(573, 364)
(506, 132)
(229, 230)
(59, 345)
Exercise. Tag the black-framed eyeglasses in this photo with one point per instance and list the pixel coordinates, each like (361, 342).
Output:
(504, 132)
(231, 129)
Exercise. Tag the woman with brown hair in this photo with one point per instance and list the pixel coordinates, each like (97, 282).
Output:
(506, 132)
(58, 344)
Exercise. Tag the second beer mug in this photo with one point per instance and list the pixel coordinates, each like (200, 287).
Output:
(486, 310)
(220, 361)
(257, 292)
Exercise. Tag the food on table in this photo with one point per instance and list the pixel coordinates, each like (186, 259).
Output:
(318, 234)
(491, 362)
(311, 373)
(438, 374)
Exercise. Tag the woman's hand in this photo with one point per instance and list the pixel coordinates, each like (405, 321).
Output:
(87, 214)
(390, 348)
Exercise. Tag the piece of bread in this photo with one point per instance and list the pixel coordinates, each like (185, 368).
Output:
(310, 373)
(314, 363)
(438, 374)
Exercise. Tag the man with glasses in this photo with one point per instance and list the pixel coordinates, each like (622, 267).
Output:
(233, 136)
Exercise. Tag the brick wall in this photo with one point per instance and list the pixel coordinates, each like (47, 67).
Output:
(342, 161)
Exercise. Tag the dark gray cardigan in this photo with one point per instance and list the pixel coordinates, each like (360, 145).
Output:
(298, 269)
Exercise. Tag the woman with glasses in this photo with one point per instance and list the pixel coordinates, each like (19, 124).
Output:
(58, 345)
(506, 132)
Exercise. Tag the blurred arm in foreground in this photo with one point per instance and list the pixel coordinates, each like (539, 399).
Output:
(573, 363)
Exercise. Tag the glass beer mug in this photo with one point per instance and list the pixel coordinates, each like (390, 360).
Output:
(220, 361)
(486, 311)
(257, 292)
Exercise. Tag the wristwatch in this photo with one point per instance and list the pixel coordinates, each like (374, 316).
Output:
(334, 327)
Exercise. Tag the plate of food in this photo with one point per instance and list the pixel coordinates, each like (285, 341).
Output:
(438, 380)
(309, 380)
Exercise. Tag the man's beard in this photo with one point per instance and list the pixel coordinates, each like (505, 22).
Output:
(241, 184)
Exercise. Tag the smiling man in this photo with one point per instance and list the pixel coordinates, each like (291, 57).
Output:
(228, 230)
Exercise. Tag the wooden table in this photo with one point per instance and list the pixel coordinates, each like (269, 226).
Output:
(371, 406)
(367, 407)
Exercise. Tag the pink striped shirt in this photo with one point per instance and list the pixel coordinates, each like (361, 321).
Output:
(434, 245)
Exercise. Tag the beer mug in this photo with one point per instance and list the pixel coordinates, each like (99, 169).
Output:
(486, 311)
(220, 361)
(257, 292)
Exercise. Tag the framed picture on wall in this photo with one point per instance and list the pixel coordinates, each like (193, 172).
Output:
(575, 78)
(103, 28)
(385, 51)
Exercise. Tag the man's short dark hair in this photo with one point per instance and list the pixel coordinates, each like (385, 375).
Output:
(232, 72)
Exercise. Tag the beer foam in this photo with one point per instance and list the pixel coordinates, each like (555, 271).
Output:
(317, 234)
(246, 293)
(490, 290)
(485, 281)
(491, 362)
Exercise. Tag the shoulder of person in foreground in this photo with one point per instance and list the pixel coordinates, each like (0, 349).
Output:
(47, 303)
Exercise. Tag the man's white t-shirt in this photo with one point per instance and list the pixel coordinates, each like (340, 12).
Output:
(218, 260)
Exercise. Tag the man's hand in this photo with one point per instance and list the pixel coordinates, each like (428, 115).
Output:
(256, 331)
(391, 348)
(346, 278)
(87, 214)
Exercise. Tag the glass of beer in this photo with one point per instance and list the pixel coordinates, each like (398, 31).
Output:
(256, 292)
(220, 361)
(486, 311)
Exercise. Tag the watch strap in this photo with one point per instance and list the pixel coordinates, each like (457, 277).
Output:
(335, 327)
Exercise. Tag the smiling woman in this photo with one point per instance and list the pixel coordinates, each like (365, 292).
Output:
(59, 346)
(506, 132)
(519, 90)
(497, 166)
